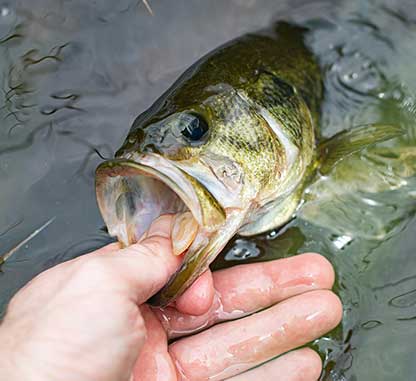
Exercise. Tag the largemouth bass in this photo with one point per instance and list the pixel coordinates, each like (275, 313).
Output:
(228, 149)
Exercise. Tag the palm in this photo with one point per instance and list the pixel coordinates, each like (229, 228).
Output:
(300, 313)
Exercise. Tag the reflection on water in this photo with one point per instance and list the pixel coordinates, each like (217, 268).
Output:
(74, 75)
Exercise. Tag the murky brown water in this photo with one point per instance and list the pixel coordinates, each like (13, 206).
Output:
(75, 74)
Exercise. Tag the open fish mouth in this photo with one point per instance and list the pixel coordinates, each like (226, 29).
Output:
(132, 194)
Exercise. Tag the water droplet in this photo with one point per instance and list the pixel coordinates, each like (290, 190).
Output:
(341, 241)
(48, 110)
(370, 201)
(272, 234)
(371, 324)
(241, 250)
(4, 11)
(408, 299)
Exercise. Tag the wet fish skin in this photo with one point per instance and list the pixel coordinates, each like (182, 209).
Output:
(273, 70)
(255, 104)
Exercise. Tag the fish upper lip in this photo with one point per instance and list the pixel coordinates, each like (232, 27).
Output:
(160, 168)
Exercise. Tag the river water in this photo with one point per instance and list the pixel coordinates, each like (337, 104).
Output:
(75, 74)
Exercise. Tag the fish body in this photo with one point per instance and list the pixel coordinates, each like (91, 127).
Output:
(231, 144)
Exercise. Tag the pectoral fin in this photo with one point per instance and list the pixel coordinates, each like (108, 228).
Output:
(368, 195)
(348, 142)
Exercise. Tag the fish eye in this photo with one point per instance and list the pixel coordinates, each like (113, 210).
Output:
(195, 128)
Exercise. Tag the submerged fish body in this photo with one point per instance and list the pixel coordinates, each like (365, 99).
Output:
(228, 148)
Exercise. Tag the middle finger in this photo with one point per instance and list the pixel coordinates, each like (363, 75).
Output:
(242, 290)
(233, 347)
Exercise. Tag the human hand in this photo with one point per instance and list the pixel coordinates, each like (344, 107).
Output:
(86, 319)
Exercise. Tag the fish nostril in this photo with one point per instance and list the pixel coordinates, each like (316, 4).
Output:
(230, 175)
(231, 171)
(225, 170)
(149, 148)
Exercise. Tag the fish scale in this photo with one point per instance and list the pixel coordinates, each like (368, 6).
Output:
(231, 146)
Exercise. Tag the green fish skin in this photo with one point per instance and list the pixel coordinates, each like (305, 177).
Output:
(233, 141)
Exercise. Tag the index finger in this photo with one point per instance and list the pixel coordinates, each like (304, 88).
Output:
(244, 289)
(139, 270)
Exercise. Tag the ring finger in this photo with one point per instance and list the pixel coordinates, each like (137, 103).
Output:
(231, 348)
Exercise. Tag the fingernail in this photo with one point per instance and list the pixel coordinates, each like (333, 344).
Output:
(184, 230)
(160, 227)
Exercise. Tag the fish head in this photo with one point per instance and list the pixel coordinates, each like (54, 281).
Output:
(207, 161)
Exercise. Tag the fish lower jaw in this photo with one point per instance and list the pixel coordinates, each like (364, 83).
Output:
(131, 196)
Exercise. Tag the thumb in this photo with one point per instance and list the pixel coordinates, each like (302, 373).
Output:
(146, 266)
(153, 258)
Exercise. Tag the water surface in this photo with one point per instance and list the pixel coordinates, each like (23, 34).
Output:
(75, 74)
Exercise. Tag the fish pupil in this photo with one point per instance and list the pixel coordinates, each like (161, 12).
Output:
(195, 129)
